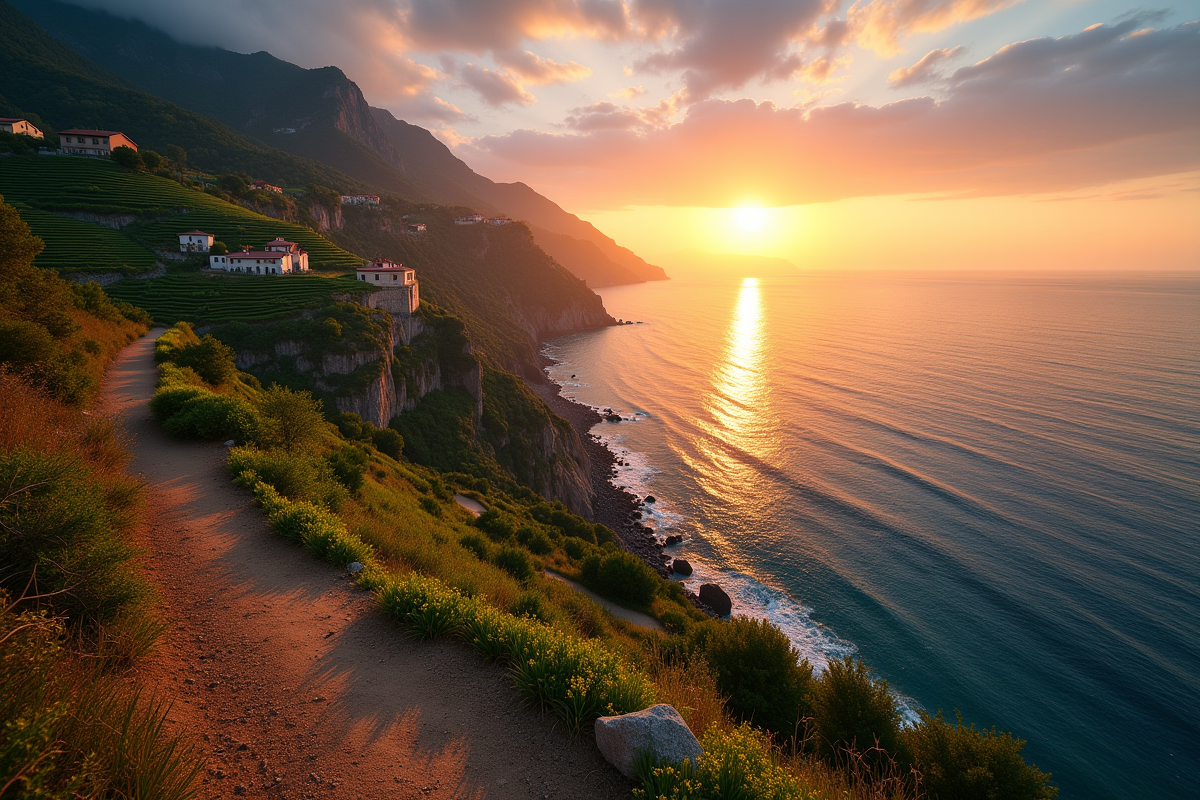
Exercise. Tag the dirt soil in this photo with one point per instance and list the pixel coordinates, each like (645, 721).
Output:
(292, 683)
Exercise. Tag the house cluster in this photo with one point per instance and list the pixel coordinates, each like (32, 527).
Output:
(277, 257)
(480, 219)
(267, 187)
(360, 199)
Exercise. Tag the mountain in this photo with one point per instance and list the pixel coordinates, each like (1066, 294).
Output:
(322, 115)
(42, 77)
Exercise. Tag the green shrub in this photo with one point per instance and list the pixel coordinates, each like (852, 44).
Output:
(499, 526)
(64, 522)
(530, 604)
(388, 442)
(298, 477)
(536, 541)
(477, 545)
(172, 341)
(214, 417)
(853, 711)
(318, 529)
(349, 465)
(210, 358)
(760, 673)
(515, 561)
(574, 548)
(736, 765)
(431, 506)
(619, 576)
(291, 420)
(957, 762)
(167, 401)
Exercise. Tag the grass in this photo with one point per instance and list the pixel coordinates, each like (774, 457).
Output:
(164, 208)
(214, 298)
(73, 245)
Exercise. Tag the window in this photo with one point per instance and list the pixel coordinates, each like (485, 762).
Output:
(393, 277)
(376, 276)
(95, 141)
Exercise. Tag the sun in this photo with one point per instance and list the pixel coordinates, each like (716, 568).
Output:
(750, 219)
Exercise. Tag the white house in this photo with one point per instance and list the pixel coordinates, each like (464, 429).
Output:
(86, 142)
(360, 199)
(469, 219)
(22, 126)
(195, 242)
(254, 262)
(299, 255)
(498, 221)
(416, 227)
(263, 186)
(390, 275)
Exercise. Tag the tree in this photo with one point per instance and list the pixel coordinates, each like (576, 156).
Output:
(177, 155)
(235, 184)
(152, 160)
(293, 420)
(852, 710)
(761, 673)
(127, 157)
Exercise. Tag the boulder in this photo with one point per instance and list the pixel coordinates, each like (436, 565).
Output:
(715, 598)
(354, 567)
(649, 499)
(681, 566)
(659, 730)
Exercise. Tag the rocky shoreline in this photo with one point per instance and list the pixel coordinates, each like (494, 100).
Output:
(620, 510)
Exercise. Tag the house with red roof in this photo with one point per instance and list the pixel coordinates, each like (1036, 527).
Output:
(399, 292)
(21, 126)
(88, 142)
(299, 254)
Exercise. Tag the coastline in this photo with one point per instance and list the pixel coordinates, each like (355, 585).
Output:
(616, 508)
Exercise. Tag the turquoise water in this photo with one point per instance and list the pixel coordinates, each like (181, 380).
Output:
(988, 489)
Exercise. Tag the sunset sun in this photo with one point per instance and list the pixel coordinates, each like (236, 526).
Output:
(750, 219)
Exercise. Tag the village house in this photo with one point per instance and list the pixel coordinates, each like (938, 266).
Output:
(84, 142)
(416, 227)
(470, 219)
(392, 276)
(254, 262)
(267, 187)
(195, 242)
(498, 221)
(360, 199)
(299, 255)
(21, 126)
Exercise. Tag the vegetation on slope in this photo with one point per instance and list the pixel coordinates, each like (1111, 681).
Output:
(74, 606)
(770, 728)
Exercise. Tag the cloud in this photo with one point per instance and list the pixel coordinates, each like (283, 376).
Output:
(541, 71)
(478, 26)
(604, 115)
(880, 24)
(719, 45)
(629, 92)
(1113, 102)
(925, 70)
(496, 87)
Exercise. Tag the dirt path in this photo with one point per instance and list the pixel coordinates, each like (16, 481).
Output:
(294, 685)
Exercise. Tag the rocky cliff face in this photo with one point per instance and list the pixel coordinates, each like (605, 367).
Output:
(327, 220)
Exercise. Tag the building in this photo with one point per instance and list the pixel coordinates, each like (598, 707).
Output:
(195, 242)
(395, 279)
(470, 219)
(84, 142)
(254, 262)
(21, 126)
(299, 255)
(360, 199)
(416, 227)
(498, 221)
(267, 187)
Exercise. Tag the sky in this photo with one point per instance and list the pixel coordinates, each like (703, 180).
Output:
(931, 134)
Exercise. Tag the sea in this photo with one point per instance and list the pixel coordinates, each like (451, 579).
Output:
(986, 487)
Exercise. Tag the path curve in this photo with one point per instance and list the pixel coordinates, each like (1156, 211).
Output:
(295, 686)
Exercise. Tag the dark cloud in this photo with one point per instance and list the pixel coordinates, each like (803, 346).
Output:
(478, 26)
(926, 70)
(1113, 102)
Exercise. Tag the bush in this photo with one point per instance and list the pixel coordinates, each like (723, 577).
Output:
(515, 562)
(388, 442)
(958, 762)
(536, 541)
(169, 399)
(760, 673)
(477, 545)
(619, 576)
(853, 711)
(349, 465)
(316, 528)
(499, 526)
(736, 765)
(210, 358)
(214, 417)
(295, 477)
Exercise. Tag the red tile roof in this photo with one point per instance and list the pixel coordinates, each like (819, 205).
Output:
(84, 132)
(256, 254)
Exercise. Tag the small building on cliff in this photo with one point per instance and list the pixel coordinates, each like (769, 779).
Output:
(398, 282)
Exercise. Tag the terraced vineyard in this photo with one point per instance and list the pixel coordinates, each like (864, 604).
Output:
(76, 246)
(210, 298)
(165, 208)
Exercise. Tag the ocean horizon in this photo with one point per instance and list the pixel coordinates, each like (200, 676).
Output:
(985, 486)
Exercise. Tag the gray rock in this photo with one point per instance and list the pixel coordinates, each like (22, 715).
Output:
(354, 567)
(715, 598)
(659, 730)
(681, 566)
(230, 443)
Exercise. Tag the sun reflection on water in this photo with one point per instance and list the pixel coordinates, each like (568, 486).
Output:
(738, 424)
